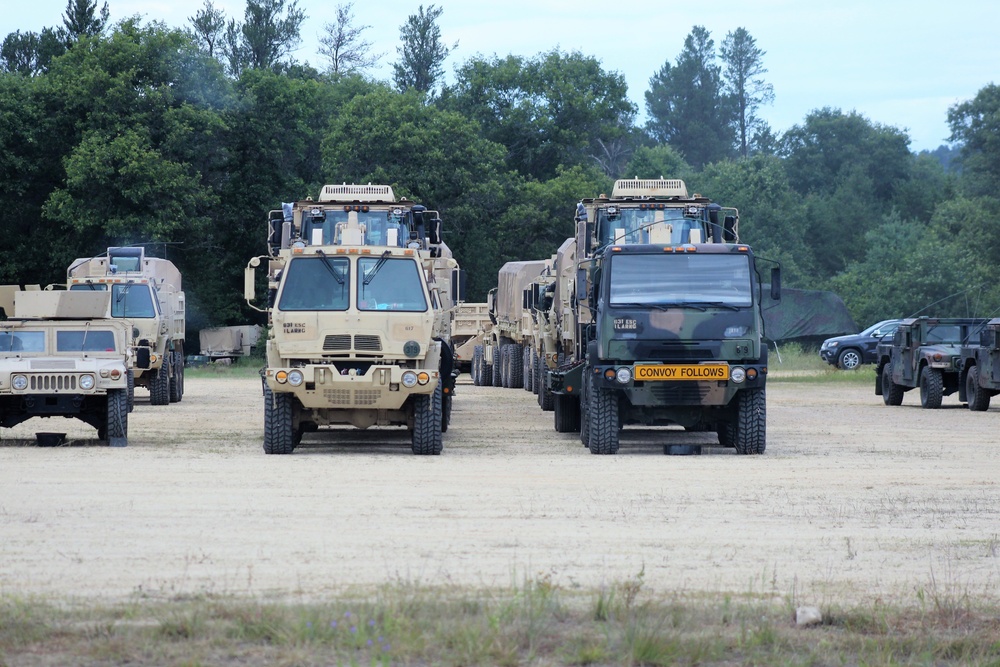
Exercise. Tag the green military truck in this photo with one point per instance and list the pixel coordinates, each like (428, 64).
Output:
(924, 352)
(359, 320)
(981, 367)
(668, 320)
(61, 357)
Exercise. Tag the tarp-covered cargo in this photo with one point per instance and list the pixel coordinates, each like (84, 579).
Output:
(805, 315)
(512, 280)
(228, 341)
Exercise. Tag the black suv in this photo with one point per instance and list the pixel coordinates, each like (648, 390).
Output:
(849, 352)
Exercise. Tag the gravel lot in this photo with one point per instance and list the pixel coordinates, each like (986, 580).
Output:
(852, 501)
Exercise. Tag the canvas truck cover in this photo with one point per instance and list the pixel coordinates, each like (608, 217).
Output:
(228, 341)
(513, 278)
(805, 314)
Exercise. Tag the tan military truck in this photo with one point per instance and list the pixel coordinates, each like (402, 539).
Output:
(61, 357)
(470, 323)
(504, 344)
(146, 294)
(359, 330)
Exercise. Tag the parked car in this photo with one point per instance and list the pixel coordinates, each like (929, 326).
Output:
(849, 352)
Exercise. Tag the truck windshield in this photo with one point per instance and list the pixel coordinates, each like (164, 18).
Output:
(944, 334)
(326, 227)
(22, 341)
(390, 284)
(132, 300)
(631, 225)
(316, 283)
(679, 279)
(83, 340)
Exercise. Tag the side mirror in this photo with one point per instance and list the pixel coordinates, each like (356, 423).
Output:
(249, 289)
(729, 229)
(776, 283)
(434, 231)
(581, 285)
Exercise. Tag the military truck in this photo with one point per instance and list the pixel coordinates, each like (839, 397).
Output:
(146, 293)
(924, 352)
(61, 357)
(470, 323)
(669, 329)
(505, 343)
(359, 331)
(981, 367)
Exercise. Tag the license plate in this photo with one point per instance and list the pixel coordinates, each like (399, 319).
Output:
(702, 372)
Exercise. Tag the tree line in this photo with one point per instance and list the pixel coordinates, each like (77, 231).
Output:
(184, 137)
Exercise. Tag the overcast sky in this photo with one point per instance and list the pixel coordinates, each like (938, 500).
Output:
(898, 62)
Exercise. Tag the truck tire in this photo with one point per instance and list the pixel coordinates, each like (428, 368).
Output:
(892, 393)
(497, 378)
(279, 433)
(505, 367)
(849, 359)
(427, 423)
(727, 433)
(477, 365)
(931, 388)
(585, 411)
(177, 379)
(159, 387)
(567, 414)
(536, 372)
(979, 399)
(116, 425)
(445, 412)
(130, 383)
(750, 432)
(603, 427)
(515, 366)
(546, 399)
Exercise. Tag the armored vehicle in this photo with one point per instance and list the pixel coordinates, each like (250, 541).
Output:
(669, 329)
(146, 294)
(981, 367)
(924, 352)
(359, 326)
(61, 357)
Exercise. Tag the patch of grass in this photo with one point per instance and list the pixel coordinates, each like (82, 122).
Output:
(532, 622)
(795, 363)
(248, 367)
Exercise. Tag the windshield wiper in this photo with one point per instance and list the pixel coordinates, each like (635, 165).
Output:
(121, 295)
(330, 267)
(375, 269)
(718, 304)
(658, 306)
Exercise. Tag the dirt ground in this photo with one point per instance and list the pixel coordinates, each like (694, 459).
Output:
(853, 501)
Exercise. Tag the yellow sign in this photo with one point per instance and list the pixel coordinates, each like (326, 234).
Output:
(685, 372)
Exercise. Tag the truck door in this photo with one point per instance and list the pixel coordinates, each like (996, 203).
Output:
(906, 369)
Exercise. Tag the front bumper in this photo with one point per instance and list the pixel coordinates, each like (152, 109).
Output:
(381, 387)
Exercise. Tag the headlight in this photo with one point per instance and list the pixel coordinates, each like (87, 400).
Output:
(423, 378)
(86, 382)
(409, 379)
(295, 378)
(834, 343)
(281, 376)
(737, 375)
(623, 375)
(19, 382)
(736, 331)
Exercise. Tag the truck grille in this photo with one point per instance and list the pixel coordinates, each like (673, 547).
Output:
(337, 342)
(356, 398)
(53, 382)
(368, 343)
(342, 343)
(680, 393)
